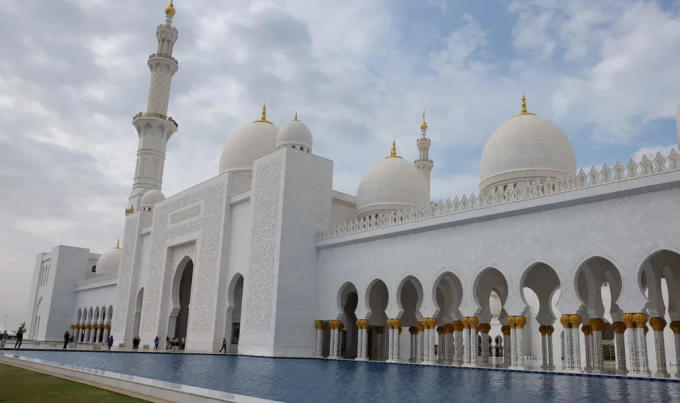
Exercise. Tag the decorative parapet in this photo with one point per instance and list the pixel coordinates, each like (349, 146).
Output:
(154, 115)
(520, 191)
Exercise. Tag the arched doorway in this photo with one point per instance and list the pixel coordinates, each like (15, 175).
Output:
(377, 299)
(181, 299)
(233, 321)
(348, 299)
(138, 313)
(539, 286)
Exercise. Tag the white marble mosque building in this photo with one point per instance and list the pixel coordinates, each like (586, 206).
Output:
(546, 266)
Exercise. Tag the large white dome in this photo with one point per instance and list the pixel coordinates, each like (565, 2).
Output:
(295, 134)
(526, 147)
(392, 184)
(109, 261)
(253, 141)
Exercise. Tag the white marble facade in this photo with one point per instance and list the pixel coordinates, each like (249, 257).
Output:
(546, 266)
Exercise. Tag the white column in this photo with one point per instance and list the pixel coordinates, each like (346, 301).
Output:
(632, 356)
(474, 342)
(413, 339)
(551, 357)
(576, 349)
(484, 333)
(421, 342)
(660, 354)
(331, 350)
(620, 347)
(544, 347)
(318, 351)
(675, 326)
(458, 342)
(642, 350)
(362, 335)
(467, 356)
(520, 342)
(588, 344)
(507, 346)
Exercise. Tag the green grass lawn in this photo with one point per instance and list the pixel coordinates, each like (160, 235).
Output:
(20, 385)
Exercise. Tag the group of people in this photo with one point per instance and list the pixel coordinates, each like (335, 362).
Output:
(68, 338)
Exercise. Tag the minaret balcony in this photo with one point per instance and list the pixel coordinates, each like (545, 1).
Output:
(142, 115)
(163, 55)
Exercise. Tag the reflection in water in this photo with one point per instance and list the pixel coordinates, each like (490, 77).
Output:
(306, 380)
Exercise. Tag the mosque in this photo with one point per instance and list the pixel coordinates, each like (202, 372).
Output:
(546, 266)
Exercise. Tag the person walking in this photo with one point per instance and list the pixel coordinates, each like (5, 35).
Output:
(20, 336)
(109, 341)
(155, 342)
(224, 345)
(67, 338)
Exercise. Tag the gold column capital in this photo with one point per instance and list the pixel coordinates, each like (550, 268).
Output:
(421, 326)
(413, 330)
(619, 327)
(657, 324)
(319, 324)
(542, 330)
(564, 319)
(472, 322)
(675, 326)
(597, 324)
(458, 325)
(575, 320)
(506, 330)
(484, 328)
(362, 324)
(640, 319)
(587, 330)
(628, 320)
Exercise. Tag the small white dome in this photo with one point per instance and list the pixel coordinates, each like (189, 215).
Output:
(295, 134)
(526, 147)
(109, 261)
(253, 141)
(152, 197)
(392, 184)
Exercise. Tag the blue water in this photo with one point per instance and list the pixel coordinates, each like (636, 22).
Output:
(308, 380)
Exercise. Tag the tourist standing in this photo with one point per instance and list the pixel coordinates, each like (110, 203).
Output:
(109, 341)
(67, 338)
(20, 335)
(155, 343)
(224, 345)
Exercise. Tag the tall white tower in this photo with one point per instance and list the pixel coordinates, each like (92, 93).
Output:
(424, 163)
(154, 127)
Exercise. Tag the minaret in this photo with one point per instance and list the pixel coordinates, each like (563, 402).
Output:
(424, 163)
(154, 127)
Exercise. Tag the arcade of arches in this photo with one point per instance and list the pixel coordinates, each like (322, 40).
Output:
(93, 324)
(596, 336)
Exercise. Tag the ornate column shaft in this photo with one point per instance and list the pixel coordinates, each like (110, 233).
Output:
(430, 326)
(421, 341)
(588, 343)
(675, 327)
(507, 345)
(657, 325)
(458, 329)
(620, 347)
(575, 321)
(362, 332)
(598, 353)
(640, 320)
(551, 361)
(544, 347)
(484, 332)
(413, 339)
(630, 339)
(318, 350)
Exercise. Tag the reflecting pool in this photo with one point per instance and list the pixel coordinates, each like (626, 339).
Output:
(309, 380)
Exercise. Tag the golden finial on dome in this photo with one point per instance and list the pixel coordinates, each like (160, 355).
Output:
(263, 117)
(423, 126)
(393, 153)
(170, 9)
(118, 244)
(524, 107)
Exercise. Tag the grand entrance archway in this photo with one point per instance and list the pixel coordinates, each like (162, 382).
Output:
(233, 322)
(181, 299)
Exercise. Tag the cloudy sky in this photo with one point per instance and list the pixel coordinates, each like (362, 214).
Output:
(360, 73)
